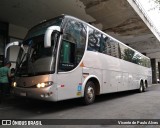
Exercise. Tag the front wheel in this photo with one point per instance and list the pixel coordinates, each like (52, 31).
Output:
(89, 93)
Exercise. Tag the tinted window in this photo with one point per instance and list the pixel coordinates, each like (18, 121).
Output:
(94, 40)
(145, 61)
(129, 55)
(73, 45)
(101, 43)
(41, 28)
(111, 47)
(134, 56)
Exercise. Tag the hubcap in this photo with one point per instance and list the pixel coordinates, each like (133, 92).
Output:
(90, 93)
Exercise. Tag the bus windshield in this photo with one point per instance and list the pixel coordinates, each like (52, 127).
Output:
(35, 59)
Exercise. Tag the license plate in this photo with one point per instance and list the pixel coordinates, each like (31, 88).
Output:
(23, 94)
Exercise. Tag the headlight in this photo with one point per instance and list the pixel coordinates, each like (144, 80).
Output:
(38, 85)
(45, 84)
(14, 84)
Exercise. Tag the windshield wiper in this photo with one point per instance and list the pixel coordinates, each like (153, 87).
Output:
(25, 64)
(18, 66)
(29, 62)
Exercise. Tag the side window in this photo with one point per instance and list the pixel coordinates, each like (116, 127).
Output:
(93, 40)
(145, 62)
(99, 42)
(130, 55)
(73, 45)
(111, 47)
(133, 56)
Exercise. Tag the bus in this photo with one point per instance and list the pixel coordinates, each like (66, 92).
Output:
(65, 58)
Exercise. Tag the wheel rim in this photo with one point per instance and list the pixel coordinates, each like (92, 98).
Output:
(90, 93)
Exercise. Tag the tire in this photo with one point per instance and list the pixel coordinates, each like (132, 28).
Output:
(141, 88)
(89, 93)
(144, 87)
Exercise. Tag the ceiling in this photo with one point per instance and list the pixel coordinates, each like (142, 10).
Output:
(115, 17)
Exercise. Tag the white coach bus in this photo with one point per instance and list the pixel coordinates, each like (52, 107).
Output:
(65, 58)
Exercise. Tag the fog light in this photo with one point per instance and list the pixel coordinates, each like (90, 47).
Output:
(46, 95)
(42, 95)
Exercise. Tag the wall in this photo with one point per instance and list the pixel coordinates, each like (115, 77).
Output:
(16, 33)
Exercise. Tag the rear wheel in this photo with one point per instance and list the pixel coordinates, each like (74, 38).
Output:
(142, 87)
(145, 86)
(89, 93)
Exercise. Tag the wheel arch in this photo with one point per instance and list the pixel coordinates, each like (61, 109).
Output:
(141, 82)
(95, 80)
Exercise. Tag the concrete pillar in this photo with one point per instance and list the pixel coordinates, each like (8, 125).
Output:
(154, 73)
(3, 40)
(159, 71)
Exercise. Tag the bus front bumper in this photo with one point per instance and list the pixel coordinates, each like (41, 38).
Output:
(47, 93)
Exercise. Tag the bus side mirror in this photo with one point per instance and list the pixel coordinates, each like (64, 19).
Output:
(48, 33)
(16, 43)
